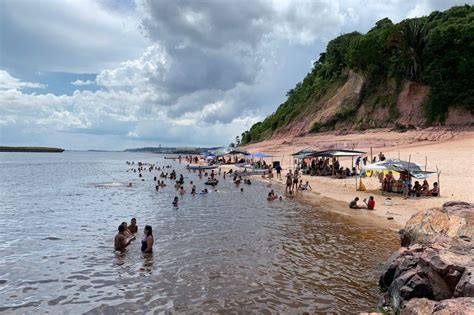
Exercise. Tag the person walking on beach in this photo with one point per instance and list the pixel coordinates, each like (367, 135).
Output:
(289, 182)
(278, 170)
(147, 241)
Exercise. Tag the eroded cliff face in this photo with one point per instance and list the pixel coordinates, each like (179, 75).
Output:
(433, 271)
(351, 108)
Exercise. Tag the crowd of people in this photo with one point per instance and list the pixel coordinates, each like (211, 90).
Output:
(293, 185)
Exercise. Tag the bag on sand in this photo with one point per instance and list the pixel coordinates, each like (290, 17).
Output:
(361, 186)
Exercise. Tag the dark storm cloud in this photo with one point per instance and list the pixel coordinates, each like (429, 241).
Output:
(210, 24)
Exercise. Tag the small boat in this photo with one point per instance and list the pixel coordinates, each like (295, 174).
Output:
(170, 158)
(258, 171)
(201, 167)
(212, 182)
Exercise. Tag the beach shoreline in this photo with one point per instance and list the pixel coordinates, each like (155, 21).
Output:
(448, 149)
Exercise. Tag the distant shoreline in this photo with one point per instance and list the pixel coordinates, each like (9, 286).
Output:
(31, 149)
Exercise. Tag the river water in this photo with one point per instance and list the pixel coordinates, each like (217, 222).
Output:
(228, 251)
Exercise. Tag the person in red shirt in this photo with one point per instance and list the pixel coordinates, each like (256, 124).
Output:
(371, 203)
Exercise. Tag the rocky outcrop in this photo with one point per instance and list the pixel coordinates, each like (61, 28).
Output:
(460, 306)
(433, 271)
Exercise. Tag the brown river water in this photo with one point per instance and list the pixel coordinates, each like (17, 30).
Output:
(225, 252)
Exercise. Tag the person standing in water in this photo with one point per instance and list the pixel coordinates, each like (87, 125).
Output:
(121, 241)
(133, 228)
(147, 241)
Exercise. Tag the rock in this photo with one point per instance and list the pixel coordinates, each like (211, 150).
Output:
(459, 306)
(435, 264)
(465, 286)
(418, 306)
(454, 219)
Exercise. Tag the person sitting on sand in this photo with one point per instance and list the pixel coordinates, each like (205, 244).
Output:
(417, 189)
(353, 204)
(133, 228)
(435, 191)
(371, 204)
(175, 201)
(121, 241)
(147, 241)
(306, 186)
(425, 188)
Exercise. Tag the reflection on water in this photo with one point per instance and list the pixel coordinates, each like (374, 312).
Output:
(227, 251)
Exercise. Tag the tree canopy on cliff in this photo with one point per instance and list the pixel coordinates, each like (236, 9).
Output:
(435, 50)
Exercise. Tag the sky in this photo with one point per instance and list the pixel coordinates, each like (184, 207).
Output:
(118, 74)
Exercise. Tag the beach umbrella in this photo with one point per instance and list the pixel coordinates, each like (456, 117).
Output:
(260, 155)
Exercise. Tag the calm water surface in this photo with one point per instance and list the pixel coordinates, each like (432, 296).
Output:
(224, 252)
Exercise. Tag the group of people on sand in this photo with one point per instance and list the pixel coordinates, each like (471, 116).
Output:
(369, 205)
(423, 190)
(126, 234)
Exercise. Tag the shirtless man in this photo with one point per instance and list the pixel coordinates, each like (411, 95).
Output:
(289, 182)
(121, 241)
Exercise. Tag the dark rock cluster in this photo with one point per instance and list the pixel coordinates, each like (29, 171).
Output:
(433, 271)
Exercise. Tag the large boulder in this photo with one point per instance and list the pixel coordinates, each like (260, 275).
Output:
(459, 306)
(436, 262)
(454, 220)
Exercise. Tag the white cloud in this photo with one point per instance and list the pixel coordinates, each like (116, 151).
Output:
(67, 36)
(205, 72)
(81, 82)
(8, 82)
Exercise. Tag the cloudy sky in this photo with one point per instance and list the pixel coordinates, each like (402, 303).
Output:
(116, 74)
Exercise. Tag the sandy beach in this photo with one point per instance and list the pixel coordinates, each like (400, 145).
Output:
(450, 150)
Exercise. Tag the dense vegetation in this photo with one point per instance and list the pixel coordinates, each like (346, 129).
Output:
(435, 50)
(31, 149)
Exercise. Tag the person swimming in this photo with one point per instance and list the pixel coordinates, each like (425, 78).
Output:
(175, 201)
(147, 241)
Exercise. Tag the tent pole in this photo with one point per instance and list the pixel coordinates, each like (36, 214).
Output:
(426, 162)
(409, 176)
(438, 172)
(371, 158)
